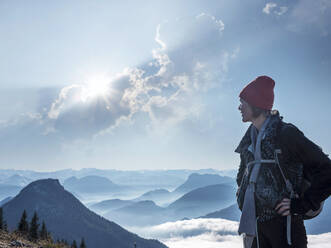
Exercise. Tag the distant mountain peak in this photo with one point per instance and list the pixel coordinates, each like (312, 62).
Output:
(198, 175)
(195, 175)
(90, 184)
(48, 181)
(44, 186)
(196, 180)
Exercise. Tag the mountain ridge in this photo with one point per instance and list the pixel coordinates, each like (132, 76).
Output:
(67, 218)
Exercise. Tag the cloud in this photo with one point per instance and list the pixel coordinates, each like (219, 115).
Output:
(206, 241)
(268, 7)
(209, 233)
(188, 62)
(273, 6)
(26, 136)
(77, 113)
(319, 241)
(304, 16)
(195, 233)
(282, 10)
(194, 227)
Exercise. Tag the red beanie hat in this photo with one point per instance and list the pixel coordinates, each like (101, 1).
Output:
(259, 93)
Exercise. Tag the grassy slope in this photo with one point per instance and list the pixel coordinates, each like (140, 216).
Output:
(7, 238)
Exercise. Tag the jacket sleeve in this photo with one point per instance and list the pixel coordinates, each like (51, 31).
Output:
(316, 164)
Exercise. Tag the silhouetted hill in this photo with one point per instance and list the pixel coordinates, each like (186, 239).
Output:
(90, 184)
(204, 200)
(139, 213)
(196, 180)
(230, 213)
(67, 218)
(105, 206)
(157, 193)
(142, 207)
(159, 196)
(149, 179)
(195, 203)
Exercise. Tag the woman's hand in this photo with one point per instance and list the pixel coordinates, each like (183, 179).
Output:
(283, 208)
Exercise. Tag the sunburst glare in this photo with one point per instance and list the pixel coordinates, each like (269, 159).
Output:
(95, 87)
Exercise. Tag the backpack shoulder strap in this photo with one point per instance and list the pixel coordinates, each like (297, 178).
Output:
(277, 155)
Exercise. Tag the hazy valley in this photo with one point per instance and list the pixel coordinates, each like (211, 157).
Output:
(108, 207)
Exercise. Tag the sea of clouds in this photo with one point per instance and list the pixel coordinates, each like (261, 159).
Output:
(209, 233)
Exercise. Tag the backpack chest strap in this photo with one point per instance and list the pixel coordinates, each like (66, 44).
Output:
(253, 179)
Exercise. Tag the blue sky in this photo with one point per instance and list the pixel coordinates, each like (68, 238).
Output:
(154, 84)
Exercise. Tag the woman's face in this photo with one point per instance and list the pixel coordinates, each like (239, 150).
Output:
(246, 111)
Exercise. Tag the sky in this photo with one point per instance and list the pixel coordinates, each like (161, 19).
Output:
(154, 84)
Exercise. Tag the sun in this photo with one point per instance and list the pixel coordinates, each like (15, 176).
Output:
(96, 87)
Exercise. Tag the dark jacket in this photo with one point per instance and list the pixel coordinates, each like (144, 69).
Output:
(300, 158)
(316, 168)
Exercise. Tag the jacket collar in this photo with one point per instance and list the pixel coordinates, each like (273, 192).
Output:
(246, 142)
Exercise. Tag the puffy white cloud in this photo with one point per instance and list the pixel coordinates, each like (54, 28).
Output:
(193, 227)
(189, 61)
(268, 7)
(319, 241)
(277, 10)
(206, 241)
(79, 111)
(195, 233)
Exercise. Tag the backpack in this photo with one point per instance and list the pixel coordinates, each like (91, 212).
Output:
(310, 214)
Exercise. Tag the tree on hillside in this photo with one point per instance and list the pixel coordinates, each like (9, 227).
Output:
(43, 232)
(23, 226)
(1, 219)
(74, 244)
(5, 226)
(82, 244)
(34, 226)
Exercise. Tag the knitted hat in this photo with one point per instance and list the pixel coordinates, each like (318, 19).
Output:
(259, 93)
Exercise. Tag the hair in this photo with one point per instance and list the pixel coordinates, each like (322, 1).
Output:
(258, 111)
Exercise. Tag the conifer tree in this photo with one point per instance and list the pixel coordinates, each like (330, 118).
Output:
(5, 226)
(82, 244)
(23, 225)
(43, 232)
(74, 244)
(1, 219)
(34, 225)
